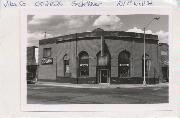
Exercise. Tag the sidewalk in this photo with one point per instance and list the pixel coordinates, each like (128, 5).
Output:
(100, 85)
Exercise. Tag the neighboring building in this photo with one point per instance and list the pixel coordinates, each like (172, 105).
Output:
(164, 62)
(99, 57)
(32, 62)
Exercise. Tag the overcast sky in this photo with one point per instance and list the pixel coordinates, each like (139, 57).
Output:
(57, 25)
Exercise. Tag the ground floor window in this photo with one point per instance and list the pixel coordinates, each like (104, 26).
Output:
(124, 64)
(83, 64)
(47, 52)
(66, 66)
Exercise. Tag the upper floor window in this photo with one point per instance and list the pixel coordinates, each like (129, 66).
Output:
(47, 52)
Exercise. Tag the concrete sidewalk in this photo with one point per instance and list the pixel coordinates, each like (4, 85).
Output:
(100, 85)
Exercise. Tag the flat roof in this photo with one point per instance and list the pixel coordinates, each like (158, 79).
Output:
(96, 33)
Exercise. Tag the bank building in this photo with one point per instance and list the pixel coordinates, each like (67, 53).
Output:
(101, 57)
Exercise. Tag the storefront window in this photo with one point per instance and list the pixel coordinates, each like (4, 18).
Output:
(124, 64)
(83, 64)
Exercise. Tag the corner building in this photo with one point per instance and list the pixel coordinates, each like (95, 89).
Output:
(111, 57)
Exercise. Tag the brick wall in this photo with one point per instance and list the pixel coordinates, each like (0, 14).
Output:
(92, 45)
(47, 71)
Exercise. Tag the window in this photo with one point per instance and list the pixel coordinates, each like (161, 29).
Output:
(164, 53)
(67, 69)
(66, 66)
(124, 64)
(83, 64)
(47, 52)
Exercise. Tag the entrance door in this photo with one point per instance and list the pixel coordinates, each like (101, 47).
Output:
(104, 76)
(165, 73)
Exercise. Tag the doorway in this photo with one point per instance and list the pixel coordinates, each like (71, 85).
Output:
(103, 76)
(165, 74)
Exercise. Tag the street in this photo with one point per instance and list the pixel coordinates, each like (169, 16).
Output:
(42, 94)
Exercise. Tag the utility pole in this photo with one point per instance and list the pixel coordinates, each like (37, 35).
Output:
(146, 26)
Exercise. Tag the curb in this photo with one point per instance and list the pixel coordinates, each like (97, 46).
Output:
(100, 86)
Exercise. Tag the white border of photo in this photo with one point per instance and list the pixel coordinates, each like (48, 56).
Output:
(173, 83)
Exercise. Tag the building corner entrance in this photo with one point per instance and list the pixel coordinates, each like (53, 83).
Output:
(103, 69)
(103, 76)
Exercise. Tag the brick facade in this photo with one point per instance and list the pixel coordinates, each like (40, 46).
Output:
(116, 41)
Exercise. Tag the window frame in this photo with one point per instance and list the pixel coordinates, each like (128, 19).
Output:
(45, 52)
(81, 54)
(66, 63)
(123, 61)
(67, 74)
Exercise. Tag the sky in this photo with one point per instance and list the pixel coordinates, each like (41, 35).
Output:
(58, 25)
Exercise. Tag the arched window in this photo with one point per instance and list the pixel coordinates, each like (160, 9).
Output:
(83, 64)
(66, 66)
(147, 64)
(124, 64)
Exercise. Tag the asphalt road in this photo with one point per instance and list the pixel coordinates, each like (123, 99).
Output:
(40, 94)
